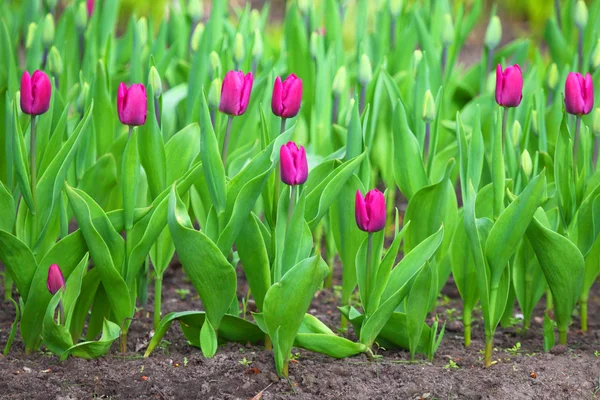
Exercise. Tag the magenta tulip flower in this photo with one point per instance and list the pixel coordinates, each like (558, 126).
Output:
(90, 7)
(131, 104)
(36, 91)
(579, 94)
(294, 167)
(509, 86)
(56, 281)
(235, 93)
(370, 211)
(287, 96)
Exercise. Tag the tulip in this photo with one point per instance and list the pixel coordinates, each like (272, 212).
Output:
(509, 86)
(235, 93)
(90, 7)
(56, 281)
(294, 167)
(131, 104)
(370, 211)
(287, 96)
(579, 94)
(36, 91)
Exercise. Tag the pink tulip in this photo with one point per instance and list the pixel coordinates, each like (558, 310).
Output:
(370, 211)
(90, 7)
(579, 94)
(287, 96)
(131, 104)
(235, 92)
(36, 91)
(509, 86)
(294, 167)
(56, 281)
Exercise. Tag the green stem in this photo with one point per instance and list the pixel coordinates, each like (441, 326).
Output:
(363, 98)
(226, 143)
(549, 302)
(285, 368)
(489, 348)
(562, 337)
(583, 314)
(157, 299)
(123, 343)
(580, 48)
(467, 323)
(282, 128)
(268, 343)
(33, 171)
(61, 313)
(576, 142)
(8, 284)
(504, 123)
(291, 207)
(368, 271)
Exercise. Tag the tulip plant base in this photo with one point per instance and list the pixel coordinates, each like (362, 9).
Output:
(176, 370)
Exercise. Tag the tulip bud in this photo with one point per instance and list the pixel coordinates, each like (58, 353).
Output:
(51, 4)
(596, 124)
(287, 96)
(235, 93)
(155, 82)
(395, 7)
(534, 122)
(581, 14)
(90, 7)
(294, 167)
(552, 76)
(428, 107)
(339, 81)
(526, 163)
(370, 211)
(196, 36)
(509, 86)
(579, 94)
(314, 45)
(31, 30)
(36, 91)
(83, 95)
(131, 104)
(48, 34)
(214, 94)
(55, 281)
(215, 64)
(258, 47)
(516, 133)
(596, 56)
(255, 20)
(493, 34)
(303, 6)
(239, 52)
(365, 71)
(81, 17)
(447, 30)
(142, 28)
(55, 64)
(416, 60)
(195, 10)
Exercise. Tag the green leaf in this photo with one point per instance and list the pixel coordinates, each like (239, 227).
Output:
(563, 173)
(19, 261)
(418, 305)
(548, 333)
(331, 345)
(152, 150)
(21, 160)
(103, 117)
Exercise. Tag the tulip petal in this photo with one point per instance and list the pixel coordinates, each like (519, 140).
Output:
(276, 99)
(26, 97)
(288, 169)
(499, 84)
(574, 103)
(588, 94)
(360, 212)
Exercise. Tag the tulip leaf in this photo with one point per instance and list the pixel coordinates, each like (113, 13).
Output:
(563, 173)
(152, 149)
(21, 160)
(418, 305)
(328, 344)
(7, 209)
(528, 279)
(103, 116)
(19, 261)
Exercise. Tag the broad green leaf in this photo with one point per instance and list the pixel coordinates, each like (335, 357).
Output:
(152, 149)
(19, 261)
(418, 305)
(331, 345)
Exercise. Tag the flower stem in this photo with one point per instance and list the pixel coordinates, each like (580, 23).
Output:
(61, 313)
(291, 207)
(504, 123)
(335, 109)
(595, 157)
(580, 48)
(393, 33)
(368, 271)
(489, 348)
(123, 343)
(426, 143)
(444, 59)
(562, 337)
(157, 299)
(157, 110)
(583, 314)
(557, 11)
(213, 117)
(363, 95)
(576, 141)
(467, 323)
(226, 143)
(33, 170)
(282, 128)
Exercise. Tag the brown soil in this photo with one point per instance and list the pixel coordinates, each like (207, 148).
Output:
(178, 371)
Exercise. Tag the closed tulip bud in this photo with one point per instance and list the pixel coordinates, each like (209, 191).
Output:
(534, 122)
(51, 4)
(142, 28)
(257, 47)
(155, 82)
(195, 10)
(55, 281)
(131, 104)
(287, 96)
(55, 64)
(239, 52)
(526, 163)
(235, 92)
(48, 34)
(516, 133)
(294, 167)
(36, 91)
(428, 107)
(31, 30)
(196, 37)
(83, 95)
(303, 6)
(339, 81)
(370, 211)
(581, 14)
(81, 17)
(90, 4)
(552, 76)
(214, 94)
(493, 34)
(447, 30)
(596, 124)
(365, 71)
(255, 20)
(215, 64)
(509, 86)
(416, 60)
(395, 7)
(596, 56)
(314, 45)
(579, 94)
